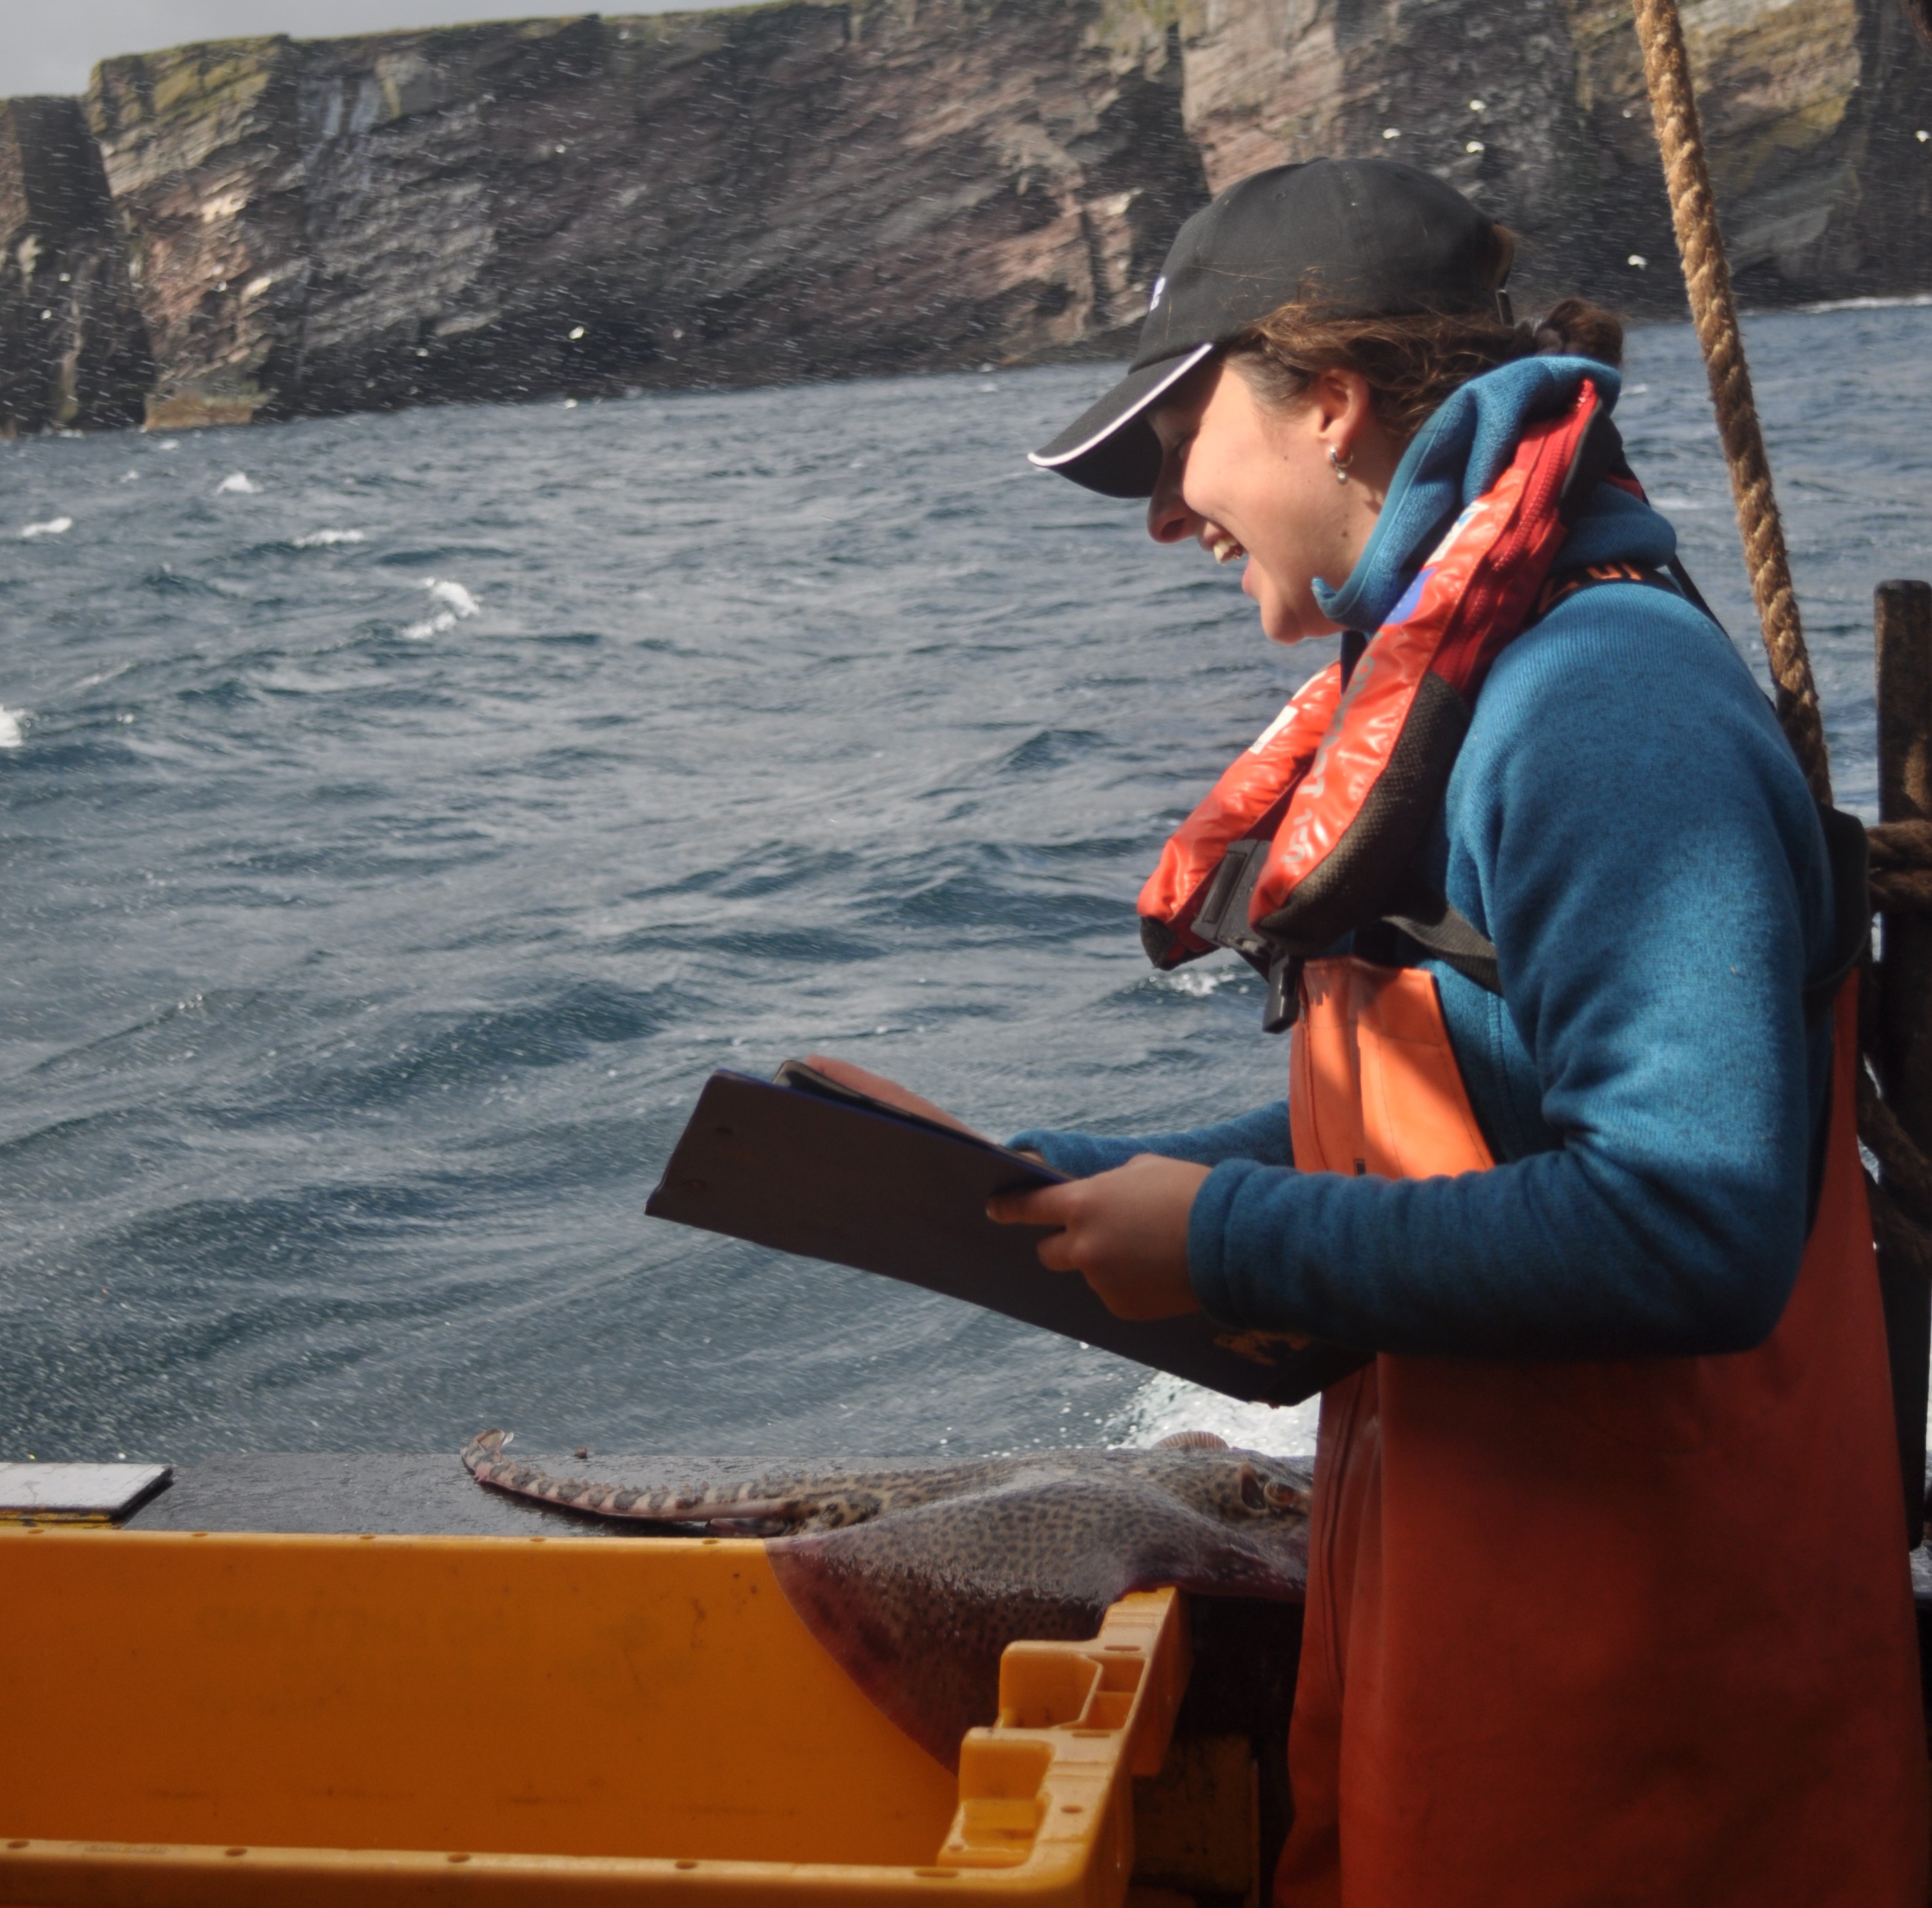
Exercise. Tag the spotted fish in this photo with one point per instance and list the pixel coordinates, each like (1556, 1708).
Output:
(1237, 1486)
(915, 1574)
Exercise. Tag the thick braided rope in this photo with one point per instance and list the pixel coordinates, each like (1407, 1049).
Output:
(1707, 277)
(1901, 853)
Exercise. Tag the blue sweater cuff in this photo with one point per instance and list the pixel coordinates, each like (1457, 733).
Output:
(1078, 1155)
(1209, 1271)
(1262, 1136)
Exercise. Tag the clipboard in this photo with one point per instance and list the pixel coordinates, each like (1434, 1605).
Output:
(805, 1165)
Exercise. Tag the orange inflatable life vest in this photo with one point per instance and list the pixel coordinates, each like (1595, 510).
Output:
(1312, 832)
(1633, 1631)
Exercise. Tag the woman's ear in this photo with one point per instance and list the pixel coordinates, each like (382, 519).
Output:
(1341, 407)
(1352, 434)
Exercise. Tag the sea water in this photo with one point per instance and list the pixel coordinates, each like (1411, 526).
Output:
(400, 815)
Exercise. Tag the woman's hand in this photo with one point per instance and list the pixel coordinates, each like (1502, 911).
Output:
(1124, 1232)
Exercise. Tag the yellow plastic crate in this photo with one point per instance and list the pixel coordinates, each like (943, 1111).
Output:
(225, 1720)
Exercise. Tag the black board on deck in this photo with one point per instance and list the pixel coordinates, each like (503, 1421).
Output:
(58, 1493)
(805, 1164)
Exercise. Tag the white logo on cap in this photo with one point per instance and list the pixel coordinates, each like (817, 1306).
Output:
(1159, 286)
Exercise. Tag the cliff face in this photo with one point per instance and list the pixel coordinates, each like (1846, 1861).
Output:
(1811, 110)
(1484, 95)
(1538, 110)
(762, 193)
(73, 347)
(819, 187)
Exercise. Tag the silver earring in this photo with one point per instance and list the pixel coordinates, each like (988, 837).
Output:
(1339, 464)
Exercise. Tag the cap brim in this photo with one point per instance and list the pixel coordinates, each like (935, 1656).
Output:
(1112, 448)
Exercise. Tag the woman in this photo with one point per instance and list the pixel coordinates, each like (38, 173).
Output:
(1607, 1601)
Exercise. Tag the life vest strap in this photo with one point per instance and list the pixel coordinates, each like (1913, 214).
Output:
(1845, 844)
(1563, 584)
(1455, 940)
(1422, 915)
(1848, 853)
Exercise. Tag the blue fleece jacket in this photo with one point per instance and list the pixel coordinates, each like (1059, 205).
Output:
(1626, 822)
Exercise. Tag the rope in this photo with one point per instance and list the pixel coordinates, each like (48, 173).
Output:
(1908, 1174)
(1901, 867)
(1900, 852)
(1707, 277)
(1898, 845)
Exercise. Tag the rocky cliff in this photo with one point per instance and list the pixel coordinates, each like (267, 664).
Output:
(1812, 110)
(72, 346)
(764, 193)
(820, 187)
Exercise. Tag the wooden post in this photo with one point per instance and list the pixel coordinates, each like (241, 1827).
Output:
(1902, 620)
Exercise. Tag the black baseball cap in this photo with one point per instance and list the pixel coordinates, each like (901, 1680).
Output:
(1355, 237)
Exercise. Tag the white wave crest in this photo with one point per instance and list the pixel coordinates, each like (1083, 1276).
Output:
(237, 484)
(1906, 302)
(11, 736)
(457, 603)
(53, 527)
(323, 539)
(1197, 982)
(1166, 1404)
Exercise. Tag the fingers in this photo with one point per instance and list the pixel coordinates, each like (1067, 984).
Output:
(1047, 1205)
(1057, 1253)
(1044, 1205)
(1125, 1231)
(1057, 1206)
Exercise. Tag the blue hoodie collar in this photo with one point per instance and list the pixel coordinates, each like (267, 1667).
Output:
(1456, 457)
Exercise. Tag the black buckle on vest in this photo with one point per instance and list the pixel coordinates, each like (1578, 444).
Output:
(1284, 994)
(1223, 917)
(1222, 920)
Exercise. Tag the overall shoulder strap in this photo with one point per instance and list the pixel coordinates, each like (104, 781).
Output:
(1454, 939)
(1429, 921)
(1851, 909)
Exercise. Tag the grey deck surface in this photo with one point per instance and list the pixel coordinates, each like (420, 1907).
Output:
(398, 1494)
(429, 1493)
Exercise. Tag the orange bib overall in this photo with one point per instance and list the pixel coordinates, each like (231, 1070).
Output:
(1637, 1631)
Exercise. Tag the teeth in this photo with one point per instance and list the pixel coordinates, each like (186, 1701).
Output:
(1226, 549)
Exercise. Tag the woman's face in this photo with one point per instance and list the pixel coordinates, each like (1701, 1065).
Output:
(1249, 480)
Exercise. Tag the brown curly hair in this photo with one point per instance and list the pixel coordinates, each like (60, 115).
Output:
(1412, 363)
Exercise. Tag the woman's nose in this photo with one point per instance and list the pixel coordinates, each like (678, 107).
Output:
(1169, 520)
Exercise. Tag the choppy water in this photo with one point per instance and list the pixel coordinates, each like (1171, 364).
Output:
(400, 815)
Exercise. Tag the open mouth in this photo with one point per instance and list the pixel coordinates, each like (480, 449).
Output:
(1226, 548)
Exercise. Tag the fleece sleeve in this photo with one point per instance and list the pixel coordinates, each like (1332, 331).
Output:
(1260, 1137)
(1629, 827)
